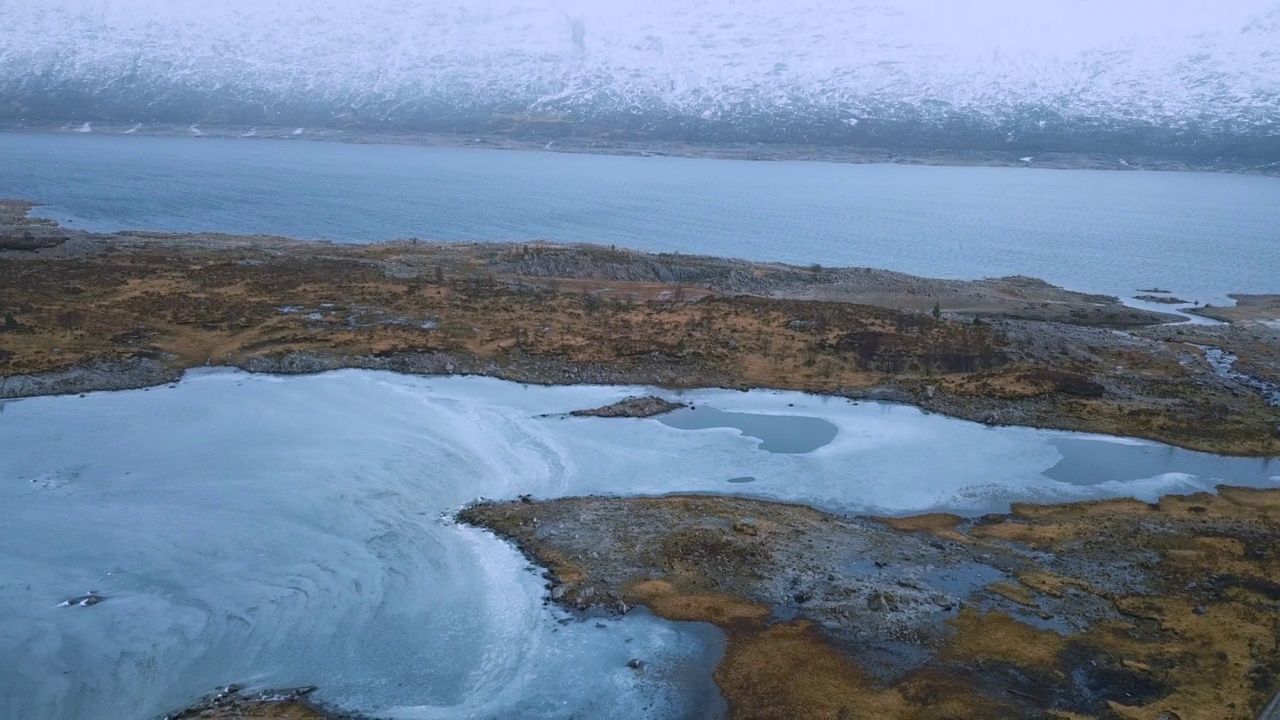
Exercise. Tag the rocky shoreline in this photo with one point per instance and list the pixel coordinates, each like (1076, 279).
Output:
(145, 372)
(1115, 609)
(130, 373)
(1112, 610)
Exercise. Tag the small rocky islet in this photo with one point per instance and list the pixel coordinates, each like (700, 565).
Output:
(632, 407)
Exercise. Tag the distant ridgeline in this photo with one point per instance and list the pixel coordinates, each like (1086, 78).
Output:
(1192, 82)
(1027, 129)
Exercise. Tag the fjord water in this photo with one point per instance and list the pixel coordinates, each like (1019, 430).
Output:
(281, 531)
(1201, 235)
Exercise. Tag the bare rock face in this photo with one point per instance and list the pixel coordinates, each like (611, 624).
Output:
(634, 407)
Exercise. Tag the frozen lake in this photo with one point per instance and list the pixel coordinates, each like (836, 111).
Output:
(277, 531)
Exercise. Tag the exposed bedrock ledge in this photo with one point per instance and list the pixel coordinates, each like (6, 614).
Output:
(96, 375)
(1115, 609)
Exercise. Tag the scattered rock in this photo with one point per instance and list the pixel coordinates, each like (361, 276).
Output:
(635, 664)
(882, 602)
(746, 526)
(89, 599)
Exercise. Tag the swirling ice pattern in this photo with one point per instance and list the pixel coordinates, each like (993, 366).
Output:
(285, 531)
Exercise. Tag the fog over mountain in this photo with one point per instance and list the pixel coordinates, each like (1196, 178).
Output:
(1186, 77)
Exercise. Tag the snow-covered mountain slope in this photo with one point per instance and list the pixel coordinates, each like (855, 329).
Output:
(1080, 75)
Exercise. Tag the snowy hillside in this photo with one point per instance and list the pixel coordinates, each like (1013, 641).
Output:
(927, 73)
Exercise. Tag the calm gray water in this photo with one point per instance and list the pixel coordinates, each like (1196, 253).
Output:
(1200, 235)
(280, 531)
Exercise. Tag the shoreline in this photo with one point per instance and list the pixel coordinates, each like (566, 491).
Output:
(85, 312)
(606, 144)
(1049, 594)
(999, 616)
(124, 376)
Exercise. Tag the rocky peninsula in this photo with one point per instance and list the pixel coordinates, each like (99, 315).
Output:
(1117, 609)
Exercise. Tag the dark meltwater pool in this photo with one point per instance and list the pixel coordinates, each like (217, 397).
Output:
(777, 433)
